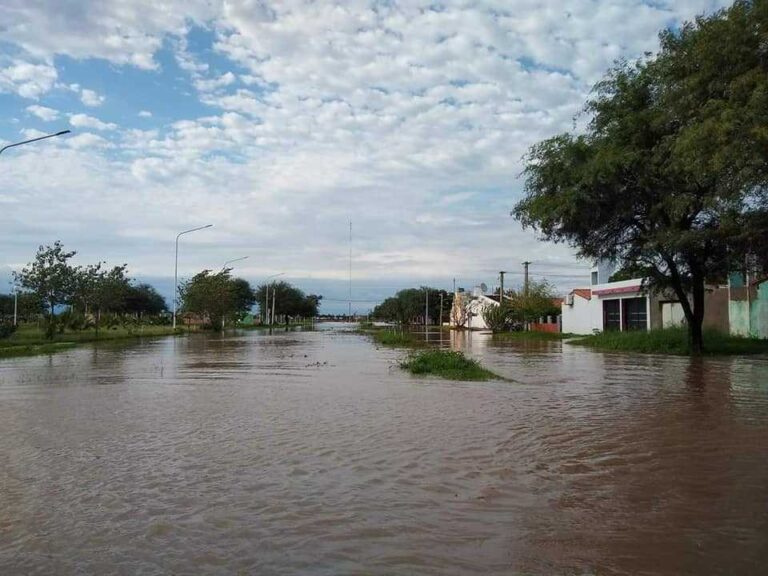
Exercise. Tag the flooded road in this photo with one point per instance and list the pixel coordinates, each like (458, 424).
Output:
(312, 453)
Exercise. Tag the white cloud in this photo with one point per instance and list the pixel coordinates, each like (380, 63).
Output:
(91, 98)
(85, 121)
(145, 114)
(409, 120)
(43, 112)
(26, 79)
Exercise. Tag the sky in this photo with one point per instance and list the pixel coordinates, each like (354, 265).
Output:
(281, 122)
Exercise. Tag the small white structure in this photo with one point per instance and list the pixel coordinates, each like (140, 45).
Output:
(468, 309)
(577, 312)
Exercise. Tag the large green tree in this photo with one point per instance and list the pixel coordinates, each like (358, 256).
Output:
(408, 306)
(670, 176)
(50, 276)
(289, 301)
(141, 299)
(215, 297)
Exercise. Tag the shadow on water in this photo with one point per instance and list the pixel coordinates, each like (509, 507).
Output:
(311, 452)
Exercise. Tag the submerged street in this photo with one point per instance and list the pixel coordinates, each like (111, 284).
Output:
(312, 452)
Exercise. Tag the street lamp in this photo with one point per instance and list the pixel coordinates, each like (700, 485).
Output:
(230, 262)
(266, 299)
(176, 268)
(4, 148)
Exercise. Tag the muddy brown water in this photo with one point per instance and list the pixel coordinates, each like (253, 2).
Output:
(312, 453)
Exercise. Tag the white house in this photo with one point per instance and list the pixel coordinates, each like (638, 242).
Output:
(468, 309)
(577, 312)
(625, 305)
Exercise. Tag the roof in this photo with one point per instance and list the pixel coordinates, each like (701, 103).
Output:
(557, 302)
(585, 293)
(619, 290)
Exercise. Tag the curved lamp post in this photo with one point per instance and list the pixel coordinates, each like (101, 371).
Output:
(233, 260)
(176, 268)
(4, 148)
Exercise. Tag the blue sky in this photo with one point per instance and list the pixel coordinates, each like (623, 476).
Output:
(278, 122)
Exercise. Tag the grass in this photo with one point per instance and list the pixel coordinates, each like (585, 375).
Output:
(672, 341)
(530, 336)
(396, 339)
(446, 364)
(30, 340)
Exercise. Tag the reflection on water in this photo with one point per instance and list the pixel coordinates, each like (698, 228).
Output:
(310, 452)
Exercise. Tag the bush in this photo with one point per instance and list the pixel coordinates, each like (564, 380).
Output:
(447, 364)
(6, 329)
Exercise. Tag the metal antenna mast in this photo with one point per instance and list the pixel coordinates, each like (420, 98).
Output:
(350, 270)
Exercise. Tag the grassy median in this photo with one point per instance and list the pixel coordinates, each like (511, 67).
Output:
(672, 341)
(446, 364)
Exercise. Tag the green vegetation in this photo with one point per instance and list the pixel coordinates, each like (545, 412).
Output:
(670, 178)
(446, 364)
(409, 306)
(672, 341)
(521, 306)
(531, 336)
(30, 339)
(290, 304)
(215, 298)
(396, 338)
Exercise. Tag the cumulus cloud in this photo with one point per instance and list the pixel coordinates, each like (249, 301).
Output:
(91, 98)
(145, 114)
(43, 112)
(28, 80)
(408, 119)
(85, 121)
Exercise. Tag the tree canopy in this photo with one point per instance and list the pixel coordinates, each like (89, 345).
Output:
(408, 306)
(669, 177)
(289, 301)
(215, 297)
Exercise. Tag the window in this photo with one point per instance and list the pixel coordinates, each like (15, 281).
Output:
(635, 314)
(594, 278)
(611, 315)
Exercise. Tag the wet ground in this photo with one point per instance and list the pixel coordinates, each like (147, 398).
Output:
(312, 453)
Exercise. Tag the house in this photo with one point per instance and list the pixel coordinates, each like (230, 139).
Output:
(468, 308)
(626, 305)
(577, 312)
(748, 305)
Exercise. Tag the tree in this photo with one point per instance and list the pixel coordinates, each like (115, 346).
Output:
(215, 297)
(141, 299)
(290, 302)
(528, 306)
(408, 306)
(110, 290)
(50, 277)
(670, 176)
(243, 297)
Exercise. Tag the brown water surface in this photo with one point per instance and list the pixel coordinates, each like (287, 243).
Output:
(312, 453)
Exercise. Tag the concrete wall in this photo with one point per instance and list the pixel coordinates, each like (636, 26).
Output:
(577, 318)
(749, 313)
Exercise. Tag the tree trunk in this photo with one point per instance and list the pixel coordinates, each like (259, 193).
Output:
(695, 332)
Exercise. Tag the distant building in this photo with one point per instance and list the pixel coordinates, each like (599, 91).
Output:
(468, 309)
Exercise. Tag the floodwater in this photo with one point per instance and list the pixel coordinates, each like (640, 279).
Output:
(312, 453)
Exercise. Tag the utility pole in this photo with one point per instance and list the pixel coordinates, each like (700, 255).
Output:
(15, 303)
(525, 289)
(454, 285)
(501, 288)
(426, 309)
(272, 321)
(441, 310)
